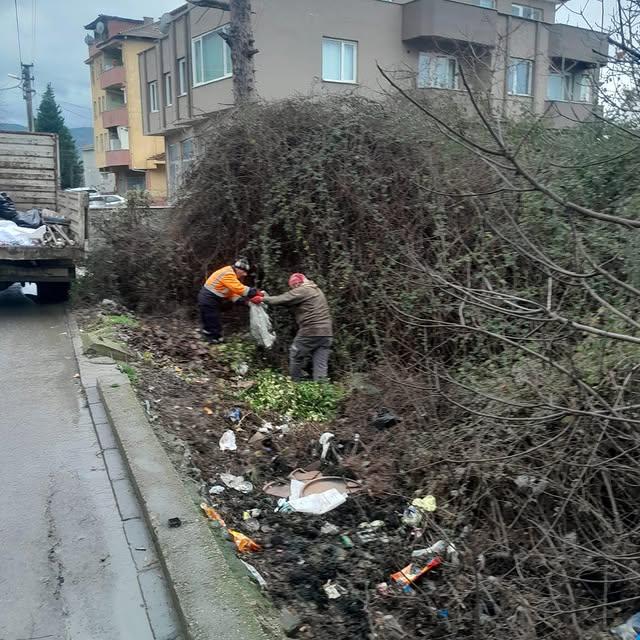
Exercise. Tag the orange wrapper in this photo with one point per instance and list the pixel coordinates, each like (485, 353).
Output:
(413, 572)
(212, 514)
(243, 543)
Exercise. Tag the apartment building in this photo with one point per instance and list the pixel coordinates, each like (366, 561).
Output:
(120, 146)
(512, 53)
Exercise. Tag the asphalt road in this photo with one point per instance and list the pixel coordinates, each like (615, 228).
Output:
(66, 568)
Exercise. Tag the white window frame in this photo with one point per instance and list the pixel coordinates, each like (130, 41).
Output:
(182, 77)
(168, 89)
(511, 78)
(154, 107)
(575, 87)
(567, 86)
(519, 10)
(227, 71)
(485, 4)
(343, 43)
(431, 61)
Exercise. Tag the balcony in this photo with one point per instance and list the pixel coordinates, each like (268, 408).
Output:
(115, 118)
(118, 158)
(577, 44)
(449, 20)
(112, 77)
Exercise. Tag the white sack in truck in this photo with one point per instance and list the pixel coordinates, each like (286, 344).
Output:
(261, 327)
(12, 234)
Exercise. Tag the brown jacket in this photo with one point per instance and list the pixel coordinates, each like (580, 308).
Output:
(311, 307)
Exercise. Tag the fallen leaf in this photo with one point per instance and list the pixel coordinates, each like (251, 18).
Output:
(208, 411)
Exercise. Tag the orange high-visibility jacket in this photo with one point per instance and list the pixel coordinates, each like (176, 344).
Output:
(224, 283)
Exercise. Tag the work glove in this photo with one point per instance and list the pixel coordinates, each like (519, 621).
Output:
(256, 299)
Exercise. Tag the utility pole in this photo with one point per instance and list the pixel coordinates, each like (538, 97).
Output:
(27, 92)
(239, 37)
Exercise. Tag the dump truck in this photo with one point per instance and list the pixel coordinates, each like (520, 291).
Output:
(30, 176)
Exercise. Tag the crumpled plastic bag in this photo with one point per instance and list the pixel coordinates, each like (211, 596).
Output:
(11, 233)
(261, 327)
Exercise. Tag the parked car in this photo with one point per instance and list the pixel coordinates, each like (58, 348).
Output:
(89, 190)
(106, 202)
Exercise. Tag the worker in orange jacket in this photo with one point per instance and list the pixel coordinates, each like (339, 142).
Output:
(224, 284)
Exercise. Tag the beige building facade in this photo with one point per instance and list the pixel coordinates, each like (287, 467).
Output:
(136, 160)
(513, 55)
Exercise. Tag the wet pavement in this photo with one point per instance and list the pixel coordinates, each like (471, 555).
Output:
(76, 560)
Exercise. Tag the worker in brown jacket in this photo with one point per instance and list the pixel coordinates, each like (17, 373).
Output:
(312, 343)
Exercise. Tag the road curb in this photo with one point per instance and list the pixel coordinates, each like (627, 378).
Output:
(211, 600)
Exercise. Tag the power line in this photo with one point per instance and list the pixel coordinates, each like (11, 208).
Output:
(15, 4)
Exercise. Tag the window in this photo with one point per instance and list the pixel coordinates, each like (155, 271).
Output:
(558, 86)
(436, 71)
(339, 60)
(153, 96)
(525, 11)
(168, 90)
(182, 77)
(582, 87)
(485, 4)
(211, 58)
(519, 77)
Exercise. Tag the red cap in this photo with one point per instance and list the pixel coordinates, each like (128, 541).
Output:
(296, 278)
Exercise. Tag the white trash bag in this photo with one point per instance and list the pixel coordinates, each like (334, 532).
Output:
(11, 233)
(261, 327)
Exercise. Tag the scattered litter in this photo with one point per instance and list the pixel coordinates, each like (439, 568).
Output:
(174, 523)
(241, 368)
(440, 548)
(236, 482)
(443, 614)
(284, 506)
(140, 548)
(255, 574)
(217, 489)
(413, 572)
(234, 415)
(212, 514)
(261, 327)
(252, 513)
(333, 590)
(385, 419)
(329, 529)
(77, 375)
(208, 411)
(243, 543)
(383, 589)
(629, 630)
(372, 532)
(326, 483)
(251, 525)
(228, 441)
(537, 485)
(428, 503)
(347, 542)
(412, 517)
(319, 503)
(325, 441)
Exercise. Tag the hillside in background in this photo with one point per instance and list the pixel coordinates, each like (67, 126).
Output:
(82, 135)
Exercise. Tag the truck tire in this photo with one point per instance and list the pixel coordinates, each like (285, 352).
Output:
(53, 292)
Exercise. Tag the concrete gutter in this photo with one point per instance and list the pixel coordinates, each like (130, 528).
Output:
(212, 601)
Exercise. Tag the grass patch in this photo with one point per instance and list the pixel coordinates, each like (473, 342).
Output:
(120, 320)
(130, 372)
(313, 401)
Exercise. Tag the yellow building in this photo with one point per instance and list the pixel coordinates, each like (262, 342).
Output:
(138, 161)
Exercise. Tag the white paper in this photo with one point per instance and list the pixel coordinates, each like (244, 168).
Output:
(296, 488)
(228, 441)
(319, 503)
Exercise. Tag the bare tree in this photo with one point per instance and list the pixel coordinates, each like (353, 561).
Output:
(240, 39)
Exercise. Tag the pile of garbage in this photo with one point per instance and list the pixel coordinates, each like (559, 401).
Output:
(400, 518)
(33, 227)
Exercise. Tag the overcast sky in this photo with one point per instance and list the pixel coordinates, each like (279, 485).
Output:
(58, 49)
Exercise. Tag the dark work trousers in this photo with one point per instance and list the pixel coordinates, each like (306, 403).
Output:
(312, 350)
(209, 305)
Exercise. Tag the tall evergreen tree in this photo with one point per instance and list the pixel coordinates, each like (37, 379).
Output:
(49, 119)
